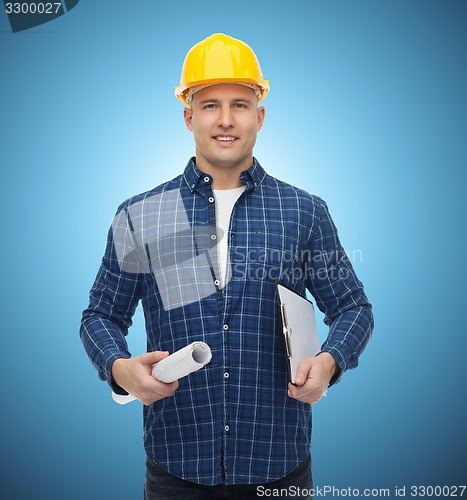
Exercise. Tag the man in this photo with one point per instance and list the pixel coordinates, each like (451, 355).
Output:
(204, 253)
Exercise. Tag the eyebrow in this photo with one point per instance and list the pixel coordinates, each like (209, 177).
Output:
(235, 99)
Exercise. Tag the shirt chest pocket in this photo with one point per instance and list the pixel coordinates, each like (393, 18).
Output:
(266, 252)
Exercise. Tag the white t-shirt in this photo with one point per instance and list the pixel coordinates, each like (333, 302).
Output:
(225, 201)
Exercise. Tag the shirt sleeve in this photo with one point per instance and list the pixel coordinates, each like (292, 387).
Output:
(339, 294)
(113, 300)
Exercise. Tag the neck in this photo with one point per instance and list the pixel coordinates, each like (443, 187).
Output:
(227, 177)
(225, 180)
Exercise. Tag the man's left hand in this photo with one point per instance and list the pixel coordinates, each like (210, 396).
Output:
(313, 377)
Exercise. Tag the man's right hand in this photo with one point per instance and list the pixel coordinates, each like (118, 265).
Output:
(134, 375)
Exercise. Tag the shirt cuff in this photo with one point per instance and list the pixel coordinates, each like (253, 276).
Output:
(340, 359)
(106, 373)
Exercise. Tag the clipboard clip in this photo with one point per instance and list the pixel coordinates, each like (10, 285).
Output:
(287, 331)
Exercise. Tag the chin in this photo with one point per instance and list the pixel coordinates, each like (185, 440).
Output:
(228, 162)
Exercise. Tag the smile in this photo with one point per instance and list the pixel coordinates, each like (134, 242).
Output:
(225, 138)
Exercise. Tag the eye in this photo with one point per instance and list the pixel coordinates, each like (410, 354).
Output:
(209, 106)
(240, 105)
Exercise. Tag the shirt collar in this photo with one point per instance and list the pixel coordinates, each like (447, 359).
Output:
(252, 177)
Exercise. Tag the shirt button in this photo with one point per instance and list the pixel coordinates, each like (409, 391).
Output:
(206, 179)
(227, 428)
(225, 327)
(213, 237)
(211, 199)
(226, 375)
(217, 282)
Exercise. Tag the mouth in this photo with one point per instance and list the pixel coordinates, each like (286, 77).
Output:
(225, 139)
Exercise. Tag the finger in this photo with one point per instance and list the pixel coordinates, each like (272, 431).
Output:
(163, 388)
(309, 393)
(305, 398)
(159, 390)
(169, 389)
(153, 357)
(303, 370)
(299, 392)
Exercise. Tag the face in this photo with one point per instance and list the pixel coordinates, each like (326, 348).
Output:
(224, 120)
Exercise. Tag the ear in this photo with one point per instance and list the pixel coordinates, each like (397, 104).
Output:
(261, 114)
(188, 117)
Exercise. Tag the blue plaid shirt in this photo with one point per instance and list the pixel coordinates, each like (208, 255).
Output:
(231, 422)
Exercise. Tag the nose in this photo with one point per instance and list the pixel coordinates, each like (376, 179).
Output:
(225, 118)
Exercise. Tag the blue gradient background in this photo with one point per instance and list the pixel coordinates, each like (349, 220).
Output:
(367, 109)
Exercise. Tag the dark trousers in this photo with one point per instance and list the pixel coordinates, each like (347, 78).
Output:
(161, 485)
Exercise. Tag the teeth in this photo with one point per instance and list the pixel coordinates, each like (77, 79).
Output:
(223, 138)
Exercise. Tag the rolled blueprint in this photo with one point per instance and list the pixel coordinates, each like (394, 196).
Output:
(179, 364)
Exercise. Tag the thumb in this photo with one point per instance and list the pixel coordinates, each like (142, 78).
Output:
(153, 357)
(303, 370)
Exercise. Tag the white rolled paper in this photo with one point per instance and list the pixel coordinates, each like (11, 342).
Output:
(179, 364)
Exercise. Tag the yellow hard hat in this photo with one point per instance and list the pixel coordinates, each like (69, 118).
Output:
(221, 59)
